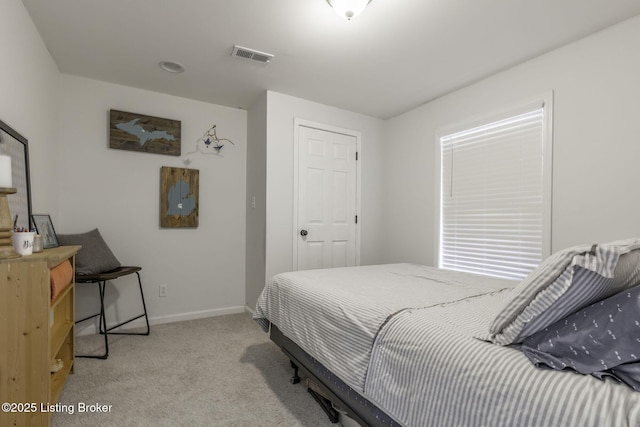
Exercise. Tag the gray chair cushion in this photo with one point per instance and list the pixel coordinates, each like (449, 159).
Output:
(95, 256)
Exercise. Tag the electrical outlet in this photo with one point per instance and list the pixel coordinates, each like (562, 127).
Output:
(162, 290)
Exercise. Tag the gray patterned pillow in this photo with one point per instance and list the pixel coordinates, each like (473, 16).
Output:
(586, 288)
(601, 339)
(565, 282)
(95, 256)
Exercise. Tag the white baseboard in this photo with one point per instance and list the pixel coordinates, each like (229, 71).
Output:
(91, 329)
(196, 315)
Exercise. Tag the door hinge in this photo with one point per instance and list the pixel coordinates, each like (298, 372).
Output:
(356, 155)
(356, 219)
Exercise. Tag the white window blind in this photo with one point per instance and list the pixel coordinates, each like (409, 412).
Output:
(495, 197)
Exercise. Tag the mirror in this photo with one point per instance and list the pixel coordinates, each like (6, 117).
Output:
(15, 145)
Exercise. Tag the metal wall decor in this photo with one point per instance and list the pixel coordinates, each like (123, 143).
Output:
(179, 194)
(138, 132)
(211, 141)
(208, 143)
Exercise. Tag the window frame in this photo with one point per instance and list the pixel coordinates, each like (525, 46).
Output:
(545, 101)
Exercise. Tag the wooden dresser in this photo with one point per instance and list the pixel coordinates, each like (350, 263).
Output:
(34, 332)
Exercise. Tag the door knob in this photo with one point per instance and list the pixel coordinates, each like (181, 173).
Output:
(303, 233)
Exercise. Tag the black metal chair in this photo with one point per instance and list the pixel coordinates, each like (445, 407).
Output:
(101, 279)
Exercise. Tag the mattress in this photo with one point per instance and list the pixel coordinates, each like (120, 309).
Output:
(415, 342)
(335, 314)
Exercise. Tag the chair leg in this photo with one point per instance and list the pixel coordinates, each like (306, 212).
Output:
(144, 305)
(102, 286)
(102, 322)
(144, 314)
(102, 325)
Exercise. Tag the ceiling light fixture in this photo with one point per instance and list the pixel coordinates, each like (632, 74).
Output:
(348, 8)
(172, 67)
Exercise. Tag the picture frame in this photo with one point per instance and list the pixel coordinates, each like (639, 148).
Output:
(179, 197)
(16, 146)
(44, 227)
(140, 132)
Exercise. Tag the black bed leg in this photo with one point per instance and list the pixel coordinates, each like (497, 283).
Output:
(326, 406)
(295, 379)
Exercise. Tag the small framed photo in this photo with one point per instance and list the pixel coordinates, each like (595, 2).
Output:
(44, 227)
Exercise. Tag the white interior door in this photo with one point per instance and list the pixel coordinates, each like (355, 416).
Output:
(327, 199)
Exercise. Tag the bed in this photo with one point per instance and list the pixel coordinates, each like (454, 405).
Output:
(412, 345)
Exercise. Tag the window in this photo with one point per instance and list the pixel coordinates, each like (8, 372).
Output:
(495, 193)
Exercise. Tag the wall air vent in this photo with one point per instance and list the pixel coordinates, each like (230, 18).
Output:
(254, 55)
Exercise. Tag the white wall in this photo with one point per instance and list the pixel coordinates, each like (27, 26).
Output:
(596, 148)
(84, 184)
(117, 191)
(29, 97)
(281, 112)
(256, 190)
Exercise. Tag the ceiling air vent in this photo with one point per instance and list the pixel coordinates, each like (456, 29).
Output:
(254, 55)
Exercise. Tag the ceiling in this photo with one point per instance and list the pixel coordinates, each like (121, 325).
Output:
(395, 56)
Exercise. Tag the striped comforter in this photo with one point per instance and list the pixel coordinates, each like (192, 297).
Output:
(427, 369)
(335, 314)
(410, 339)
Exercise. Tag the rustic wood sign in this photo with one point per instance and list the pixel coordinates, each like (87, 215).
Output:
(137, 132)
(179, 192)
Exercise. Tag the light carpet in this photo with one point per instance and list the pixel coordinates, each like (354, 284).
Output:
(219, 371)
